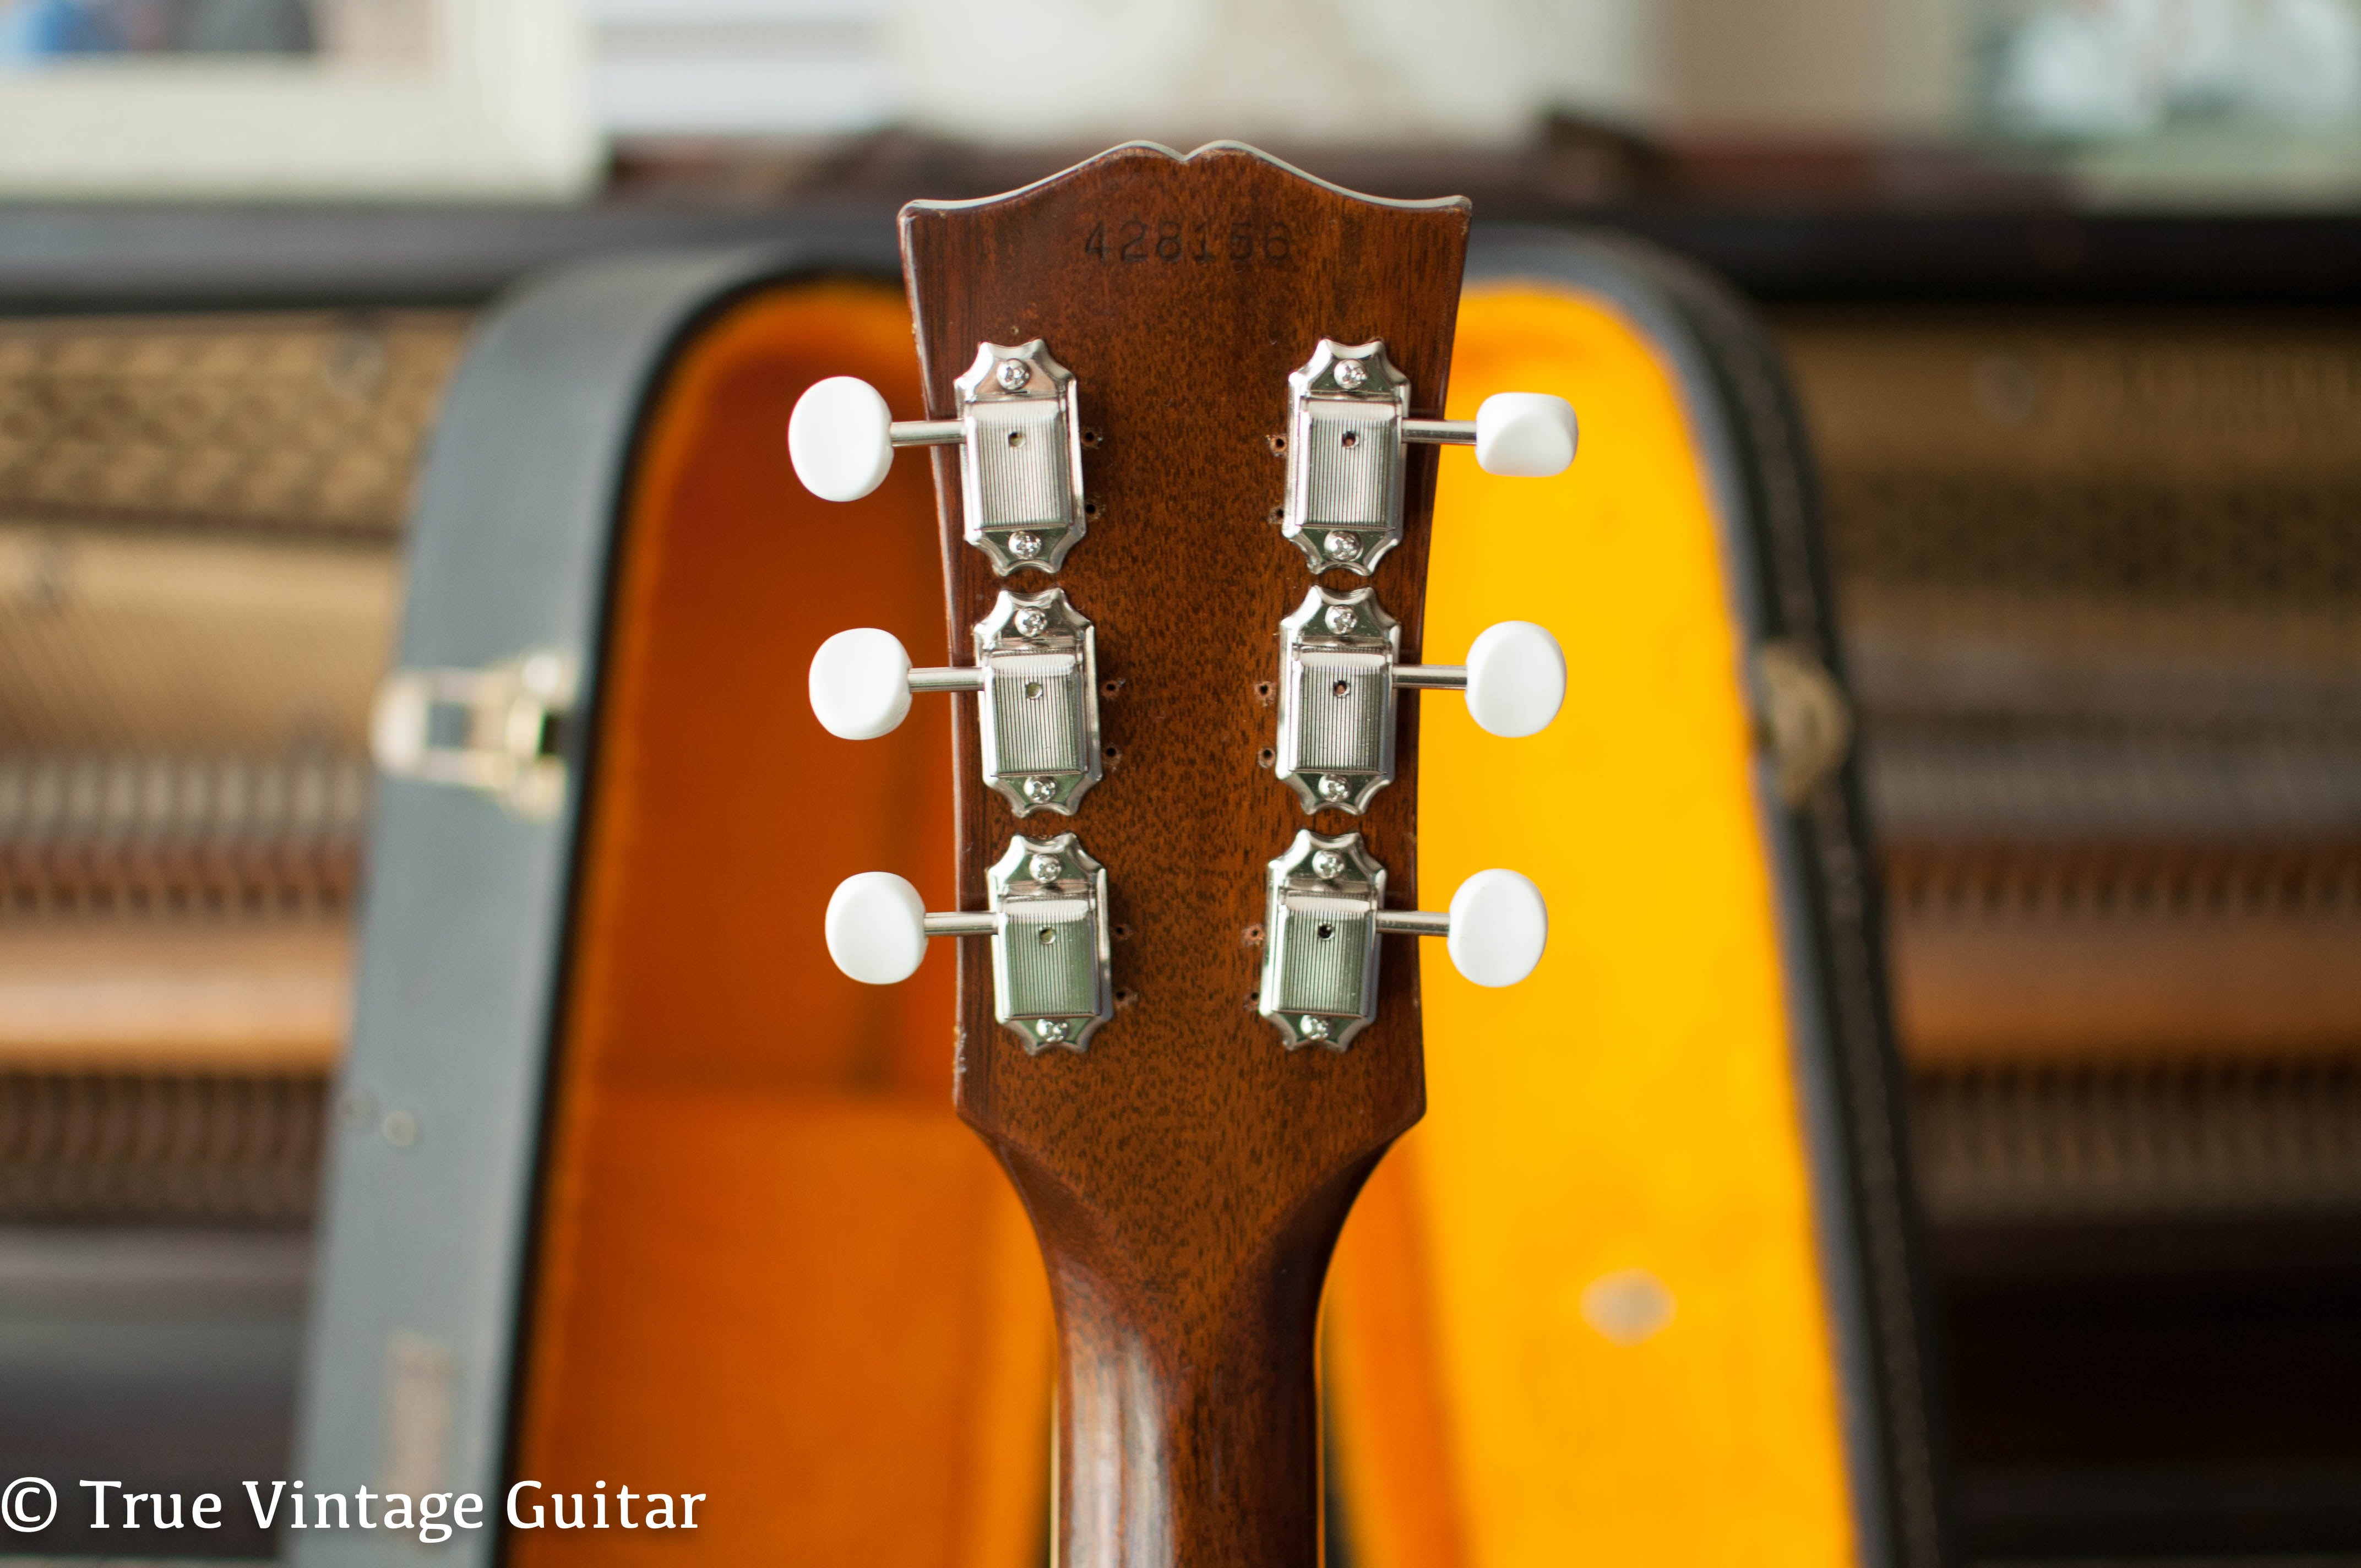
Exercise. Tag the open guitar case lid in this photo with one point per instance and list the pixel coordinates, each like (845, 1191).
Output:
(429, 1218)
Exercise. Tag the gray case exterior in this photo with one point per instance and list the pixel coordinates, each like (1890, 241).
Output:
(426, 1247)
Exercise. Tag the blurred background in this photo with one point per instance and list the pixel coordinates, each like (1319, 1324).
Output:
(2072, 292)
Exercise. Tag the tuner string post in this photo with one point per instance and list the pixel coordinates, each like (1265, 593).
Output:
(946, 433)
(1409, 922)
(1431, 677)
(1440, 431)
(952, 678)
(963, 923)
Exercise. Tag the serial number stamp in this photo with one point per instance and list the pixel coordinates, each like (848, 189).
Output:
(1240, 241)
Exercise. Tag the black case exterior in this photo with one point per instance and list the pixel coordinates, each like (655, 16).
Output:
(427, 1247)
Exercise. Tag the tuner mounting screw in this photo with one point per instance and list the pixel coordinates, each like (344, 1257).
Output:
(1012, 375)
(1332, 787)
(1024, 546)
(1340, 618)
(1350, 376)
(1340, 547)
(1311, 1027)
(1050, 1028)
(1327, 865)
(1032, 622)
(1046, 868)
(1038, 789)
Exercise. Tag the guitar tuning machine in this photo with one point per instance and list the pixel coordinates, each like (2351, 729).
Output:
(1037, 674)
(1349, 420)
(1327, 911)
(1338, 677)
(1020, 440)
(1050, 971)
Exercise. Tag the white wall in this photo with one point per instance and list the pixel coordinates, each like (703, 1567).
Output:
(769, 68)
(1366, 71)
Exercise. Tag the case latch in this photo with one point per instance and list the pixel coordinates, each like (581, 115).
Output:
(499, 729)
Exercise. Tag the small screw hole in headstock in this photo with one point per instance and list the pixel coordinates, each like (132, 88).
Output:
(1121, 933)
(1278, 515)
(1092, 437)
(1262, 690)
(1254, 935)
(1108, 688)
(1277, 446)
(1125, 996)
(1112, 753)
(1266, 757)
(1092, 510)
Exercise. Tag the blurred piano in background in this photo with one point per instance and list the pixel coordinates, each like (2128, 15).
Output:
(198, 520)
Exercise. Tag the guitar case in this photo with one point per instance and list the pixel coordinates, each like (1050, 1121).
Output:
(631, 1188)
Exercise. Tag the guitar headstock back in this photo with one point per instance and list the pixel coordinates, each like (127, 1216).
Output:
(1185, 410)
(1182, 293)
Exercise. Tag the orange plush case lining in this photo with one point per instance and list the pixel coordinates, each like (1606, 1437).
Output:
(1622, 1131)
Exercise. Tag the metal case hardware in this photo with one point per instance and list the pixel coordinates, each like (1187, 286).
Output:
(1039, 702)
(1051, 970)
(1020, 457)
(1806, 723)
(501, 729)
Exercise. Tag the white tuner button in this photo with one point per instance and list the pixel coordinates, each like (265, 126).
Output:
(1498, 927)
(1516, 679)
(877, 928)
(841, 438)
(861, 684)
(1523, 435)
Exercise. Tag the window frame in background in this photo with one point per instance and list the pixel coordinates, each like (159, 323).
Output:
(504, 110)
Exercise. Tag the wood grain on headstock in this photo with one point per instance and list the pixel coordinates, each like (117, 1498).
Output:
(1187, 1176)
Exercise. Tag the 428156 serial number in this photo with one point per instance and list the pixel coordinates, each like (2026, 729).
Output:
(1205, 239)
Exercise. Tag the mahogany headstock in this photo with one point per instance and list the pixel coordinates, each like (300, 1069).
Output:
(1187, 1170)
(1182, 293)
